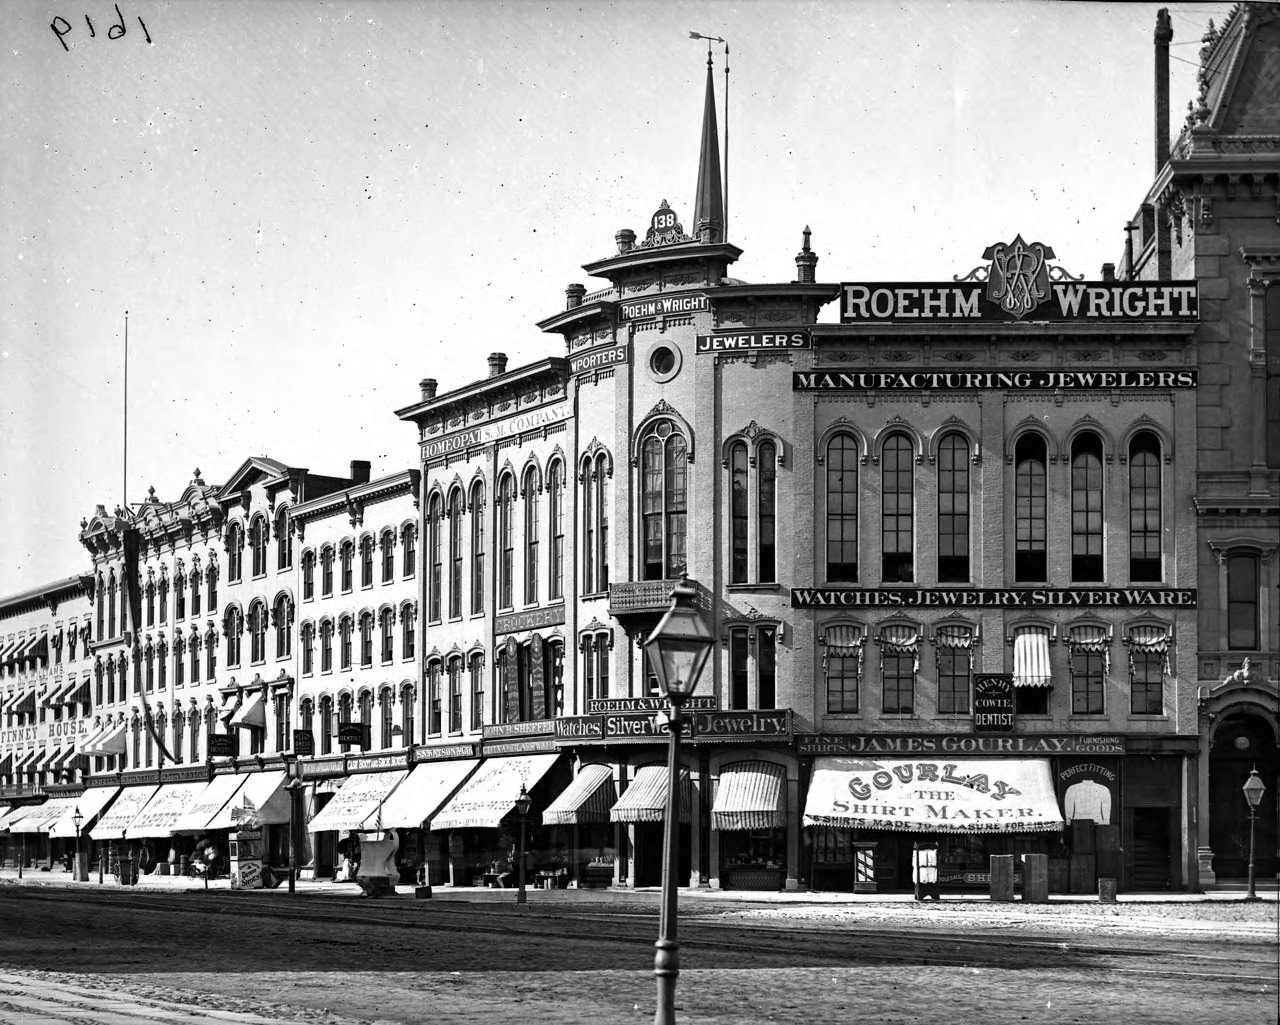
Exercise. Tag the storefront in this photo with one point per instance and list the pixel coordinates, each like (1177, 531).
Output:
(582, 812)
(357, 808)
(749, 828)
(412, 804)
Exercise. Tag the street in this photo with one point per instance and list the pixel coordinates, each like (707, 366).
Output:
(98, 957)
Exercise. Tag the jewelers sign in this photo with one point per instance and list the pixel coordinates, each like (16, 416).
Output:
(991, 597)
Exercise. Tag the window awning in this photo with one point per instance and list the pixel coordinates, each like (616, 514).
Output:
(251, 714)
(422, 793)
(1031, 657)
(750, 796)
(90, 803)
(59, 759)
(85, 742)
(7, 648)
(26, 648)
(954, 636)
(1088, 638)
(956, 795)
(6, 767)
(843, 641)
(56, 690)
(208, 803)
(77, 693)
(26, 763)
(491, 792)
(645, 800)
(587, 799)
(39, 820)
(24, 703)
(260, 801)
(127, 806)
(1152, 639)
(113, 740)
(357, 805)
(164, 809)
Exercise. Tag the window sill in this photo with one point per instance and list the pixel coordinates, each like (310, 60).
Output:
(753, 587)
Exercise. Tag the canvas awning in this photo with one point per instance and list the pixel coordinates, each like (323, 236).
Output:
(127, 807)
(7, 648)
(358, 804)
(587, 799)
(23, 703)
(90, 803)
(750, 796)
(251, 714)
(54, 697)
(1031, 657)
(26, 762)
(26, 649)
(77, 693)
(645, 800)
(17, 816)
(58, 759)
(48, 812)
(6, 767)
(85, 743)
(261, 800)
(490, 794)
(953, 795)
(164, 809)
(425, 789)
(208, 803)
(113, 740)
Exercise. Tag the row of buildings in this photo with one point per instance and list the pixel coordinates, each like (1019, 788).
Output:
(992, 562)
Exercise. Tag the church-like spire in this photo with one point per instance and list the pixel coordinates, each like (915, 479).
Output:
(708, 205)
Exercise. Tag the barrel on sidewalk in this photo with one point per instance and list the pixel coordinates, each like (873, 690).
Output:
(128, 872)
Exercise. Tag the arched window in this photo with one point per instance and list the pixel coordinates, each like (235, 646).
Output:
(663, 501)
(258, 544)
(1243, 601)
(235, 552)
(406, 714)
(326, 725)
(739, 510)
(954, 645)
(366, 561)
(506, 540)
(387, 710)
(842, 650)
(195, 592)
(455, 554)
(1144, 508)
(366, 720)
(284, 550)
(257, 632)
(408, 630)
(308, 575)
(346, 557)
(386, 633)
(433, 697)
(282, 616)
(211, 585)
(179, 596)
(1030, 561)
(100, 602)
(752, 509)
(953, 509)
(366, 638)
(897, 518)
(434, 583)
(99, 691)
(179, 721)
(326, 571)
(555, 531)
(387, 542)
(111, 604)
(346, 627)
(409, 550)
(211, 654)
(308, 637)
(476, 668)
(455, 694)
(162, 665)
(841, 465)
(344, 716)
(767, 514)
(476, 504)
(1086, 509)
(162, 599)
(326, 646)
(307, 716)
(532, 536)
(194, 652)
(150, 658)
(233, 626)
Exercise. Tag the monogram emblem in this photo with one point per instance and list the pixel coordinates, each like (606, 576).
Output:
(1018, 280)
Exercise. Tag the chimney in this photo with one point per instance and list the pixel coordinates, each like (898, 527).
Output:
(1108, 272)
(572, 300)
(1164, 35)
(626, 239)
(428, 386)
(497, 364)
(360, 471)
(806, 262)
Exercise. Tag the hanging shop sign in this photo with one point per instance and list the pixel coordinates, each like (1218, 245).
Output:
(991, 597)
(687, 302)
(755, 341)
(498, 731)
(222, 745)
(304, 743)
(993, 702)
(355, 733)
(957, 743)
(487, 434)
(599, 359)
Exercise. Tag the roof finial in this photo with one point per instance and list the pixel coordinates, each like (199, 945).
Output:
(708, 206)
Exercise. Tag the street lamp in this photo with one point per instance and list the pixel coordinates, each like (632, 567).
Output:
(77, 820)
(523, 803)
(677, 650)
(1253, 789)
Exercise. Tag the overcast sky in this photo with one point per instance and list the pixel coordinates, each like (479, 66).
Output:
(307, 207)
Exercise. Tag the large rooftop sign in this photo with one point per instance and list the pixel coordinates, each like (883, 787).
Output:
(1018, 284)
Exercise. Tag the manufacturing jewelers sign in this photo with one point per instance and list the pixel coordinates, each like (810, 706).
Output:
(989, 380)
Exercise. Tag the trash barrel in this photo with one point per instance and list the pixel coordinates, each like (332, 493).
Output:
(128, 872)
(1107, 890)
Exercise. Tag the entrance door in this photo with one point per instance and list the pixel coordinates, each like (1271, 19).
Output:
(648, 854)
(1150, 860)
(1241, 743)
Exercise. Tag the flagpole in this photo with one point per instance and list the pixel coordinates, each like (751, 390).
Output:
(125, 471)
(726, 140)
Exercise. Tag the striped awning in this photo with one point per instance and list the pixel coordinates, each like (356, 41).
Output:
(954, 636)
(645, 800)
(1088, 638)
(843, 640)
(587, 799)
(6, 767)
(27, 762)
(77, 693)
(61, 758)
(261, 801)
(208, 803)
(113, 740)
(750, 796)
(7, 648)
(25, 648)
(55, 692)
(1031, 657)
(1154, 639)
(23, 703)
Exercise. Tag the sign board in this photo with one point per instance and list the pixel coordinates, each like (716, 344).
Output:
(990, 597)
(957, 743)
(222, 746)
(990, 380)
(598, 359)
(304, 743)
(687, 302)
(993, 702)
(760, 726)
(355, 733)
(486, 434)
(755, 341)
(648, 704)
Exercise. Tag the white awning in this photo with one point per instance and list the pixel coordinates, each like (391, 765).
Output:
(843, 640)
(26, 762)
(251, 714)
(425, 789)
(113, 740)
(85, 743)
(955, 795)
(164, 809)
(1031, 657)
(211, 800)
(90, 804)
(645, 799)
(127, 807)
(750, 796)
(358, 804)
(17, 816)
(260, 801)
(49, 812)
(490, 794)
(587, 799)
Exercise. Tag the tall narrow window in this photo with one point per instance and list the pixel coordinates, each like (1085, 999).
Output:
(434, 583)
(842, 509)
(897, 530)
(346, 627)
(766, 526)
(235, 552)
(387, 708)
(555, 530)
(195, 592)
(477, 548)
(433, 698)
(387, 542)
(347, 560)
(366, 638)
(408, 628)
(1144, 508)
(150, 658)
(326, 725)
(326, 646)
(180, 596)
(767, 667)
(326, 571)
(588, 529)
(506, 540)
(455, 695)
(211, 584)
(210, 655)
(257, 632)
(282, 615)
(1087, 657)
(953, 509)
(477, 691)
(532, 536)
(1030, 504)
(100, 601)
(162, 664)
(308, 648)
(739, 505)
(663, 501)
(955, 669)
(386, 631)
(1242, 602)
(602, 473)
(455, 555)
(193, 649)
(366, 720)
(258, 545)
(150, 592)
(842, 666)
(739, 683)
(162, 599)
(284, 550)
(588, 646)
(1146, 695)
(308, 575)
(1086, 508)
(179, 720)
(409, 543)
(366, 562)
(407, 724)
(344, 717)
(233, 624)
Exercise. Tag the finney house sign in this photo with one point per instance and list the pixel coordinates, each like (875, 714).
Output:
(1018, 283)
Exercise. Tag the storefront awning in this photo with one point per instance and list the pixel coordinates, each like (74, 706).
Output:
(251, 714)
(90, 803)
(425, 789)
(491, 793)
(357, 806)
(18, 816)
(260, 801)
(127, 807)
(645, 800)
(208, 803)
(38, 821)
(164, 809)
(587, 799)
(957, 795)
(750, 796)
(1031, 657)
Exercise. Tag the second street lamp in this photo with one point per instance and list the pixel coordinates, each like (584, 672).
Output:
(77, 820)
(1253, 789)
(523, 802)
(677, 650)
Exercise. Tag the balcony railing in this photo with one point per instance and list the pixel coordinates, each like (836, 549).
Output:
(641, 597)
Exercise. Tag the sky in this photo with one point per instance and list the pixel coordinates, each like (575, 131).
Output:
(305, 208)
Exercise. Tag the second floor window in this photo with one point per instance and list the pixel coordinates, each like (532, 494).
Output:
(1087, 648)
(1144, 509)
(366, 639)
(596, 652)
(663, 501)
(455, 695)
(953, 509)
(955, 668)
(1243, 602)
(386, 628)
(595, 523)
(897, 521)
(477, 548)
(408, 626)
(506, 541)
(555, 531)
(308, 645)
(841, 471)
(842, 647)
(345, 629)
(257, 632)
(1030, 561)
(532, 536)
(1086, 509)
(433, 698)
(476, 668)
(326, 646)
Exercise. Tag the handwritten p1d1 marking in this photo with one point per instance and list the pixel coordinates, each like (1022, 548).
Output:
(114, 31)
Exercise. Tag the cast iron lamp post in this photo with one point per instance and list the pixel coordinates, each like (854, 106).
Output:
(78, 820)
(677, 649)
(1253, 789)
(523, 803)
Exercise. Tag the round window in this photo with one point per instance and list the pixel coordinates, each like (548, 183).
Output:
(664, 362)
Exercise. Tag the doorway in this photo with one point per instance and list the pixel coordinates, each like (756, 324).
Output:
(1241, 743)
(1151, 861)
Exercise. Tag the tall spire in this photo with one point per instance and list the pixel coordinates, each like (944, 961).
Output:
(708, 205)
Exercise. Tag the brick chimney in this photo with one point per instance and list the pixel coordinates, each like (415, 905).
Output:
(360, 471)
(626, 239)
(497, 364)
(428, 386)
(806, 262)
(1108, 272)
(573, 296)
(1163, 37)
